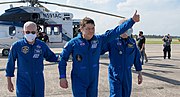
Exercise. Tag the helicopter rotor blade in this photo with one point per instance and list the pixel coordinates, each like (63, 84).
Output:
(85, 9)
(40, 5)
(12, 2)
(32, 2)
(62, 5)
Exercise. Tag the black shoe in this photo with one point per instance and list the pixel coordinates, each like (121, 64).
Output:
(146, 61)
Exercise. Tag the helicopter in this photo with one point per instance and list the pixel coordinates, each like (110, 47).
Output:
(60, 27)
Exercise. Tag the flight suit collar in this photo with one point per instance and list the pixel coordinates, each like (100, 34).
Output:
(80, 36)
(26, 42)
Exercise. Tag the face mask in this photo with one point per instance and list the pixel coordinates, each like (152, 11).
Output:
(129, 32)
(30, 37)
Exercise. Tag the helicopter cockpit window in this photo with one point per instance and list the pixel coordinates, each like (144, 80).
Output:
(12, 31)
(56, 31)
(48, 31)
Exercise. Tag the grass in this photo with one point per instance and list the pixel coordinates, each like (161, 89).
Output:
(159, 41)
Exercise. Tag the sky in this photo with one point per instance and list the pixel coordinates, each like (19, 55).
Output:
(158, 17)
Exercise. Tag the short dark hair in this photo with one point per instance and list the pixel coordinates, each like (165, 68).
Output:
(141, 32)
(85, 21)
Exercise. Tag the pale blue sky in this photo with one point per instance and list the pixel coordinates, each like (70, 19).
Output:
(158, 17)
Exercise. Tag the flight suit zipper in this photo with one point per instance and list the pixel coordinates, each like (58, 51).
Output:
(32, 68)
(88, 63)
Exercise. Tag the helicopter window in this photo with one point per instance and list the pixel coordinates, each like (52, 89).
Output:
(12, 30)
(56, 31)
(48, 31)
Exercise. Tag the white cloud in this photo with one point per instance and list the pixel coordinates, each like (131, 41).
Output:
(148, 5)
(99, 1)
(154, 17)
(157, 16)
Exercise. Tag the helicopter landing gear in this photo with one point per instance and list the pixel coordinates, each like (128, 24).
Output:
(5, 52)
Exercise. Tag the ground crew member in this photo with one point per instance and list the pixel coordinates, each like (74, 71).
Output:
(29, 53)
(141, 45)
(123, 53)
(85, 50)
(167, 39)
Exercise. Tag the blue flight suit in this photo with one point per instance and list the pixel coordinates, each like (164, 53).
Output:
(123, 53)
(85, 57)
(30, 78)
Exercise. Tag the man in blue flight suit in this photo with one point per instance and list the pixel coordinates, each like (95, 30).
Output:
(29, 53)
(86, 49)
(123, 53)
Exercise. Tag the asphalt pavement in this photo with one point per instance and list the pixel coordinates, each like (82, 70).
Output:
(160, 76)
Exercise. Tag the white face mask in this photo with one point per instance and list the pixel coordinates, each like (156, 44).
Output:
(30, 37)
(129, 31)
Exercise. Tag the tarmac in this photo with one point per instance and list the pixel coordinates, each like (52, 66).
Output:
(160, 76)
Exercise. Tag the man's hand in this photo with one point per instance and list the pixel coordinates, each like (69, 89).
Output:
(10, 84)
(140, 79)
(141, 50)
(63, 83)
(136, 17)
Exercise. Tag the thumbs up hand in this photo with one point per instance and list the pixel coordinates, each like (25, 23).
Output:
(136, 17)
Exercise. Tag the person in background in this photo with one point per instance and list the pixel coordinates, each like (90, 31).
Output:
(45, 37)
(29, 53)
(167, 45)
(85, 50)
(40, 35)
(141, 45)
(123, 53)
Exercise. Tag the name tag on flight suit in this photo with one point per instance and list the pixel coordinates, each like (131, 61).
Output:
(37, 52)
(94, 43)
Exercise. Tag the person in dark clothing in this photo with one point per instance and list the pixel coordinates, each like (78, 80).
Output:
(45, 37)
(40, 36)
(167, 45)
(141, 45)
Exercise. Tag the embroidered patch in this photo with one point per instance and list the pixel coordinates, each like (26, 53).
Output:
(79, 58)
(119, 43)
(82, 44)
(37, 51)
(36, 55)
(38, 46)
(25, 49)
(94, 43)
(130, 45)
(120, 52)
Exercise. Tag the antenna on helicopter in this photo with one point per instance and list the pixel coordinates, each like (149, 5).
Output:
(32, 2)
(40, 5)
(11, 6)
